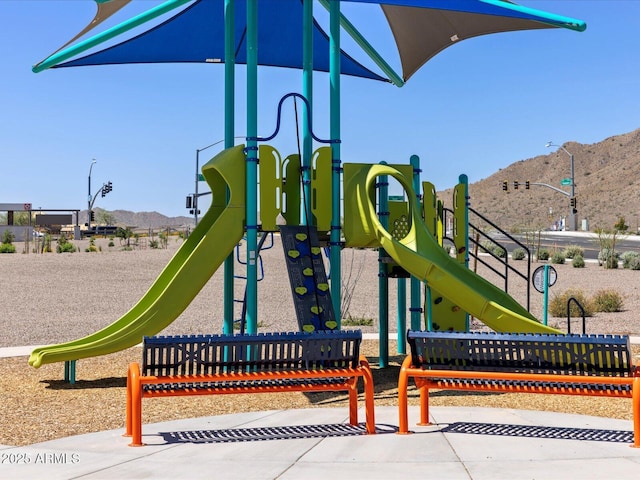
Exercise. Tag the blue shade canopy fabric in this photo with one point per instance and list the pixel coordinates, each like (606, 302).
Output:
(421, 28)
(196, 34)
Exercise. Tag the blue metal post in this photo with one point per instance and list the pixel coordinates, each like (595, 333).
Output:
(229, 133)
(252, 166)
(334, 77)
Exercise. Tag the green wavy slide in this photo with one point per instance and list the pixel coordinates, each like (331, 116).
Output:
(420, 255)
(213, 239)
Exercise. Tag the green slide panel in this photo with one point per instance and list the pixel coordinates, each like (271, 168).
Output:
(214, 238)
(420, 254)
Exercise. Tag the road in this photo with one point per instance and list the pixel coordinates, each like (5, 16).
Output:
(560, 240)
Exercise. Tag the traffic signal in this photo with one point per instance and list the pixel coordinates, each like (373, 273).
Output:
(573, 202)
(109, 187)
(515, 185)
(92, 217)
(189, 203)
(106, 188)
(574, 205)
(505, 186)
(527, 185)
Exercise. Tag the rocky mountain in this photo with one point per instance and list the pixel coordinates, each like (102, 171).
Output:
(142, 219)
(607, 187)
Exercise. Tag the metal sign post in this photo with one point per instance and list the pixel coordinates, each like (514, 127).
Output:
(544, 277)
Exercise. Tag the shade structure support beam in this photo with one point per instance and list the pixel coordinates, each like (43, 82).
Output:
(229, 134)
(252, 166)
(307, 92)
(334, 115)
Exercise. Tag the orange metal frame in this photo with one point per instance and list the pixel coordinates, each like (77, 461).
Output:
(428, 379)
(135, 392)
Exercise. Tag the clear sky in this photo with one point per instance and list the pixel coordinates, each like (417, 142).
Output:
(475, 108)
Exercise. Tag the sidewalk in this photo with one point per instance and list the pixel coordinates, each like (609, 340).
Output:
(463, 443)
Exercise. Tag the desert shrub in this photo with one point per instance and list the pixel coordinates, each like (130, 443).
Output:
(7, 248)
(572, 251)
(543, 254)
(558, 258)
(607, 301)
(518, 253)
(111, 244)
(499, 252)
(634, 264)
(558, 304)
(578, 261)
(608, 258)
(153, 244)
(8, 237)
(92, 246)
(64, 245)
(628, 257)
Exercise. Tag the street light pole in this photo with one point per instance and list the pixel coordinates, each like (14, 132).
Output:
(572, 217)
(93, 161)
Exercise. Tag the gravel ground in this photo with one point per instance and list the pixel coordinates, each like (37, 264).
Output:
(52, 298)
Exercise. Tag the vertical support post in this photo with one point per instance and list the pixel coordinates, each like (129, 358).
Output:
(464, 180)
(307, 92)
(334, 78)
(402, 315)
(415, 308)
(383, 279)
(252, 166)
(229, 133)
(545, 296)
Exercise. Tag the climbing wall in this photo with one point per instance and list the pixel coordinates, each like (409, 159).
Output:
(309, 285)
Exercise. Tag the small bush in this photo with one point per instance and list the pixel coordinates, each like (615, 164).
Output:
(607, 301)
(573, 251)
(634, 264)
(628, 258)
(153, 244)
(499, 252)
(558, 258)
(518, 253)
(578, 261)
(7, 237)
(67, 247)
(558, 304)
(608, 258)
(7, 248)
(111, 244)
(543, 254)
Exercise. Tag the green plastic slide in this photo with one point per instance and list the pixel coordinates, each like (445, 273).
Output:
(420, 254)
(213, 239)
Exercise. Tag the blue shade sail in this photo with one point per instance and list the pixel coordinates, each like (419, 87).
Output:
(196, 35)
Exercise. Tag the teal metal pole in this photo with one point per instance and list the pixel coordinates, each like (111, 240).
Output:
(252, 166)
(402, 315)
(334, 113)
(85, 45)
(464, 180)
(383, 280)
(307, 92)
(545, 297)
(229, 133)
(415, 308)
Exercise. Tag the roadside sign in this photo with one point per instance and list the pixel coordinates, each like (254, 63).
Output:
(200, 177)
(538, 277)
(565, 181)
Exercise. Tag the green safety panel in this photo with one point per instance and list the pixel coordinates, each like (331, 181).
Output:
(308, 279)
(270, 187)
(291, 189)
(459, 227)
(429, 207)
(321, 199)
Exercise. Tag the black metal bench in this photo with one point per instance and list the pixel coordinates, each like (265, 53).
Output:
(260, 363)
(594, 365)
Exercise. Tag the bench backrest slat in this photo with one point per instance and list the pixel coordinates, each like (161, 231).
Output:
(606, 355)
(212, 354)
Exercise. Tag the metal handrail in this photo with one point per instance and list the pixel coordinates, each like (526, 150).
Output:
(584, 322)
